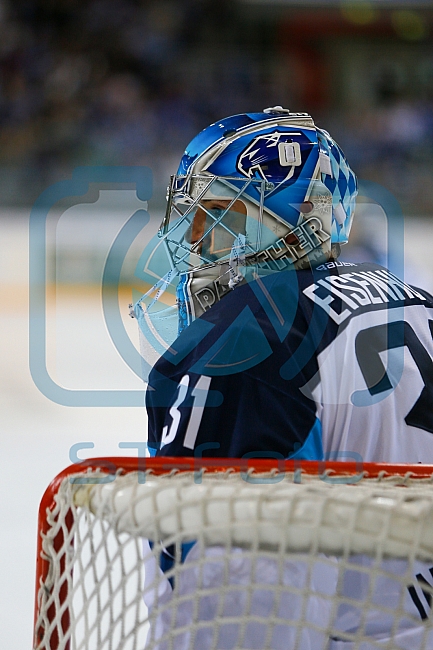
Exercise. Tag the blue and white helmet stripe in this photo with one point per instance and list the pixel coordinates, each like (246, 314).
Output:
(342, 184)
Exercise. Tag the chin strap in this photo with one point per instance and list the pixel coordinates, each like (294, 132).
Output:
(159, 287)
(237, 260)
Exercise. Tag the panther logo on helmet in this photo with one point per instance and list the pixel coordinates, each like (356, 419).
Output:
(272, 156)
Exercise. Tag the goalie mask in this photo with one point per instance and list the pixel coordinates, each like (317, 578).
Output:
(254, 193)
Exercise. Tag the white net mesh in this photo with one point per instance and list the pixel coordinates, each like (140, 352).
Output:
(251, 561)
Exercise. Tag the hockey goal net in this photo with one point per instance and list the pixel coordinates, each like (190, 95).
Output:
(256, 554)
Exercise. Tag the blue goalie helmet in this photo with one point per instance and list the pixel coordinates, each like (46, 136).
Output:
(254, 193)
(271, 186)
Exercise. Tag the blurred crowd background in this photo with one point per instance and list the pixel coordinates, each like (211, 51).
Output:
(130, 82)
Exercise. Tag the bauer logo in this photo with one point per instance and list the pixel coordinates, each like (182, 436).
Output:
(86, 234)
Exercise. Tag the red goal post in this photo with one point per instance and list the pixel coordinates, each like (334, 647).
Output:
(57, 532)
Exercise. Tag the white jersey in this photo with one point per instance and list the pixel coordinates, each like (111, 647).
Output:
(374, 385)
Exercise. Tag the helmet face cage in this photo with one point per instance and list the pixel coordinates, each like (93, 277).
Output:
(206, 215)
